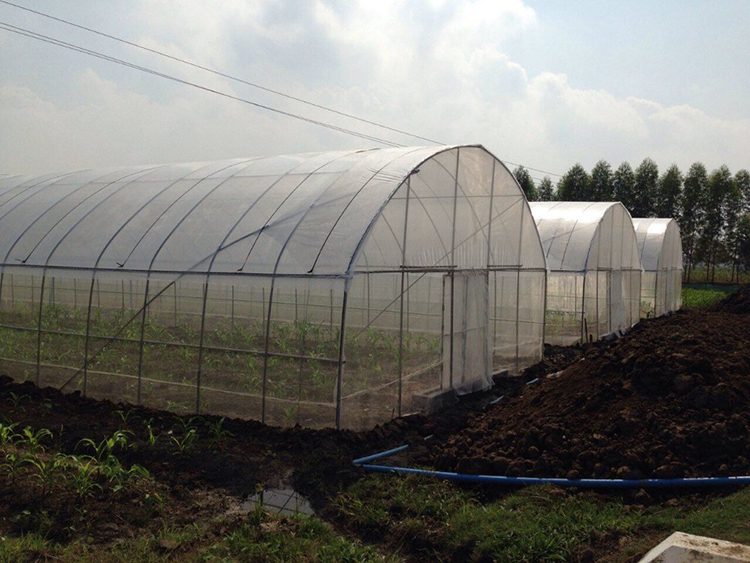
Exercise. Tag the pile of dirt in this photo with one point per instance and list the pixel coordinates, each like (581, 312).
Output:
(737, 302)
(670, 399)
(556, 358)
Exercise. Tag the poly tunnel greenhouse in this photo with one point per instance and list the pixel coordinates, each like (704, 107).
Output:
(660, 247)
(594, 269)
(332, 289)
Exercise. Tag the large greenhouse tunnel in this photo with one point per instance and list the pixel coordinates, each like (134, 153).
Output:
(660, 247)
(594, 281)
(330, 289)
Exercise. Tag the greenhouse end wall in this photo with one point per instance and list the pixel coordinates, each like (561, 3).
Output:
(328, 289)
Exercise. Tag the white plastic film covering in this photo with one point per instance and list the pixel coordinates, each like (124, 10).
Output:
(660, 247)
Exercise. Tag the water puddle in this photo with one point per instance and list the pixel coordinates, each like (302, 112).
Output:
(279, 501)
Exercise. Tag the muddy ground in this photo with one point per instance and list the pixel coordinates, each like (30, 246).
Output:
(670, 399)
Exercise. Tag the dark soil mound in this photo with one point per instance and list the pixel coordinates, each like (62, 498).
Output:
(737, 302)
(670, 399)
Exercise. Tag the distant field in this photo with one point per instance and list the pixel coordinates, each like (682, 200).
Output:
(704, 295)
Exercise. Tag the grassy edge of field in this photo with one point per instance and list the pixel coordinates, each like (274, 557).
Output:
(429, 520)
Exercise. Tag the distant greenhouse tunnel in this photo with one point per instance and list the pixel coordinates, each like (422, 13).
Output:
(594, 281)
(327, 289)
(660, 248)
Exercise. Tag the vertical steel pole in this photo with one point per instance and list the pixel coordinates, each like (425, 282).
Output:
(584, 337)
(232, 307)
(342, 358)
(490, 355)
(200, 349)
(265, 351)
(86, 341)
(519, 265)
(144, 311)
(38, 326)
(597, 304)
(401, 304)
(453, 263)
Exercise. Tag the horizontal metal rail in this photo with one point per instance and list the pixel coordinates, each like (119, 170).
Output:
(175, 383)
(172, 344)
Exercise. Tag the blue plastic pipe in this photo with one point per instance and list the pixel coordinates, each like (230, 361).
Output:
(379, 455)
(581, 483)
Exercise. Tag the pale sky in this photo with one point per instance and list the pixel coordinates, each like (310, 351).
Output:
(545, 83)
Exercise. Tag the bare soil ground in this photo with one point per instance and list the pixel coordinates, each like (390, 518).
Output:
(670, 399)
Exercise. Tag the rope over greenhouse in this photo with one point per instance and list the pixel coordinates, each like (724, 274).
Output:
(329, 289)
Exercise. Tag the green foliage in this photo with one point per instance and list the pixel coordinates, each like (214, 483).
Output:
(526, 182)
(623, 185)
(574, 185)
(645, 189)
(691, 221)
(601, 182)
(546, 191)
(669, 194)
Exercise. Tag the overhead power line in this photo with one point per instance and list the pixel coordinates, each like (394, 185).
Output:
(35, 35)
(71, 46)
(241, 80)
(222, 74)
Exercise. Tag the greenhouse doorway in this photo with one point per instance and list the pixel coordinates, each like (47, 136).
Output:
(465, 331)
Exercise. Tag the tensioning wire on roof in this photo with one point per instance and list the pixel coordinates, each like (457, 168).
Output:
(247, 82)
(516, 164)
(51, 40)
(222, 74)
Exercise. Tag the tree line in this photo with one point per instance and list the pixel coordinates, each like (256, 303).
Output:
(712, 210)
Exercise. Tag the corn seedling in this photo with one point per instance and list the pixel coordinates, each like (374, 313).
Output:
(115, 473)
(104, 449)
(46, 470)
(151, 437)
(12, 465)
(83, 476)
(216, 433)
(33, 439)
(125, 415)
(185, 442)
(16, 399)
(8, 434)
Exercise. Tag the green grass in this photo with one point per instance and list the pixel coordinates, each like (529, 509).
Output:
(702, 297)
(533, 524)
(261, 537)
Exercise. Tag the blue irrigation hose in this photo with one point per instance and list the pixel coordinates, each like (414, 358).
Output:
(379, 455)
(581, 483)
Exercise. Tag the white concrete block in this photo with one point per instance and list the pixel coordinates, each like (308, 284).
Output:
(684, 548)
